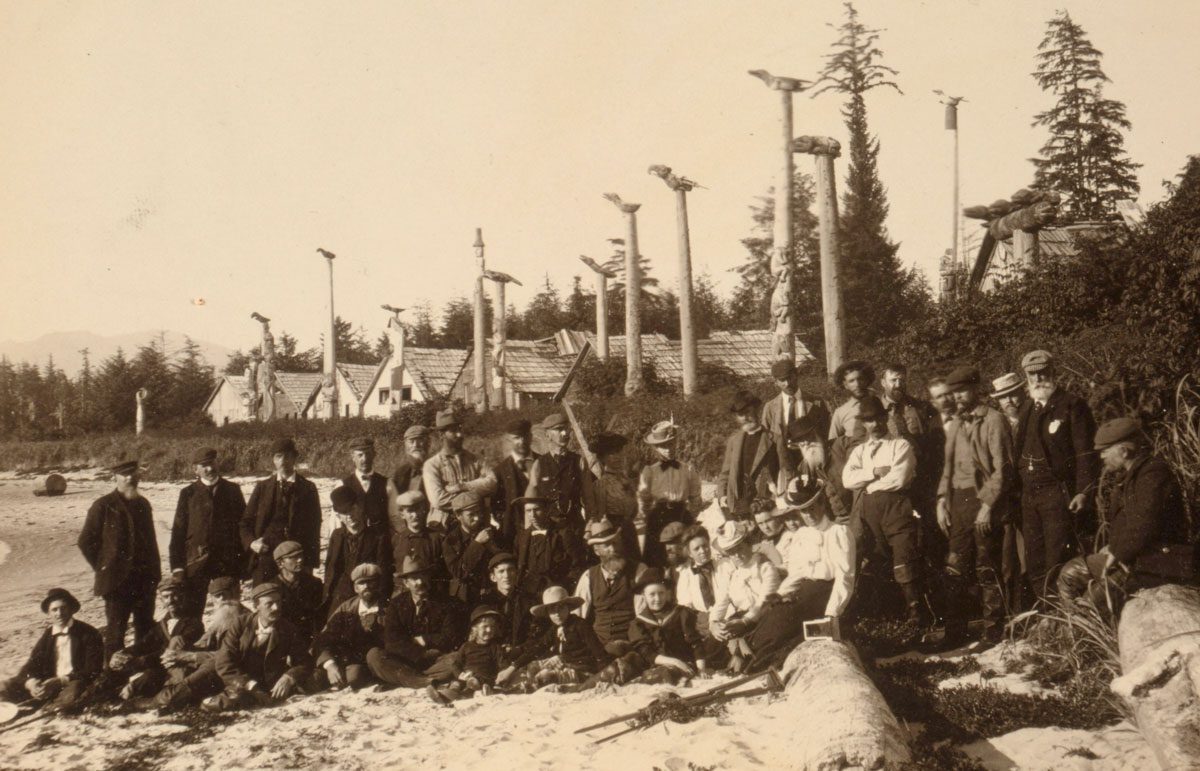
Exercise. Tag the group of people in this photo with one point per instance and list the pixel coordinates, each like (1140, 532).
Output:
(559, 569)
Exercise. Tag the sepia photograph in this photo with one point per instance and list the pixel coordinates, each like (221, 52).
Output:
(644, 385)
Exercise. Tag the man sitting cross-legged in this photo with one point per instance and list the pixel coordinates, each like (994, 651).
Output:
(64, 661)
(355, 627)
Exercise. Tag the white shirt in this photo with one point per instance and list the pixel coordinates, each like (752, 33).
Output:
(860, 468)
(687, 588)
(741, 591)
(822, 553)
(62, 650)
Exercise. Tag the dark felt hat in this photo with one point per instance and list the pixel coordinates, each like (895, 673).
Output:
(518, 428)
(284, 446)
(59, 593)
(783, 368)
(499, 559)
(343, 499)
(962, 377)
(413, 566)
(206, 456)
(125, 467)
(1119, 430)
(803, 429)
(607, 443)
(854, 365)
(871, 408)
(483, 611)
(744, 401)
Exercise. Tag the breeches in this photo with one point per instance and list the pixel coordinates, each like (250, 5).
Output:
(889, 524)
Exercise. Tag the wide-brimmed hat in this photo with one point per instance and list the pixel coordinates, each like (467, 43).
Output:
(854, 365)
(206, 456)
(284, 446)
(607, 443)
(801, 493)
(343, 499)
(416, 432)
(552, 596)
(663, 432)
(364, 571)
(483, 611)
(412, 499)
(265, 590)
(58, 593)
(803, 429)
(554, 420)
(413, 566)
(287, 549)
(519, 502)
(1008, 383)
(871, 408)
(600, 531)
(962, 377)
(125, 467)
(446, 419)
(730, 534)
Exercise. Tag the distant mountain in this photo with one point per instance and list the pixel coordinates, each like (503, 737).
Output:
(65, 348)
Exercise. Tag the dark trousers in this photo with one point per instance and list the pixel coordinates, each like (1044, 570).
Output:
(1017, 593)
(182, 690)
(195, 595)
(394, 670)
(13, 690)
(357, 676)
(135, 597)
(1049, 535)
(891, 529)
(973, 564)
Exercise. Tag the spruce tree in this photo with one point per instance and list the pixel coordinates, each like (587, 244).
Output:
(879, 295)
(1084, 158)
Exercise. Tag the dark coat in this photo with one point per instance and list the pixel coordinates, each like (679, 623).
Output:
(511, 483)
(467, 562)
(554, 559)
(112, 527)
(205, 538)
(919, 422)
(147, 652)
(301, 603)
(342, 557)
(772, 420)
(374, 498)
(519, 624)
(300, 523)
(286, 653)
(441, 625)
(1069, 450)
(405, 477)
(344, 639)
(579, 646)
(1146, 512)
(763, 470)
(87, 654)
(562, 482)
(675, 636)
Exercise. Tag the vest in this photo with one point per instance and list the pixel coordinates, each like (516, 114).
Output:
(612, 607)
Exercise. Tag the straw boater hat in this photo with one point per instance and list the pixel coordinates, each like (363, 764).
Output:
(663, 432)
(599, 531)
(730, 534)
(553, 596)
(1008, 383)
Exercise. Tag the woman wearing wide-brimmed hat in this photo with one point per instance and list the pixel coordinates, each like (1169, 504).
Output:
(668, 491)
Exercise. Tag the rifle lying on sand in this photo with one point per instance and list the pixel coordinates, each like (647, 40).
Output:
(673, 705)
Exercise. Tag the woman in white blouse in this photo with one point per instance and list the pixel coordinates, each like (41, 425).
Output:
(744, 581)
(820, 555)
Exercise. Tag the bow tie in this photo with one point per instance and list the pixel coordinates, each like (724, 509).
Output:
(666, 464)
(63, 633)
(702, 569)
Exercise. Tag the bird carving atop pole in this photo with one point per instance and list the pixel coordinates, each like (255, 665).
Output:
(326, 253)
(603, 271)
(261, 319)
(674, 181)
(780, 82)
(500, 278)
(949, 100)
(393, 310)
(626, 208)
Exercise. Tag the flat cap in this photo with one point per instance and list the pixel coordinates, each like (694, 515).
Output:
(171, 583)
(363, 443)
(416, 432)
(125, 467)
(554, 420)
(783, 368)
(287, 549)
(206, 456)
(1119, 430)
(365, 571)
(343, 499)
(223, 585)
(411, 499)
(483, 611)
(466, 500)
(518, 428)
(499, 559)
(447, 419)
(961, 377)
(672, 532)
(284, 446)
(1036, 360)
(266, 589)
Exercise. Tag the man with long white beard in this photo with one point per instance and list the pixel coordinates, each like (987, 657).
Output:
(1058, 471)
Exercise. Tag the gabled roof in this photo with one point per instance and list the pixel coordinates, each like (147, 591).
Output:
(434, 370)
(239, 383)
(298, 386)
(746, 352)
(1052, 242)
(360, 377)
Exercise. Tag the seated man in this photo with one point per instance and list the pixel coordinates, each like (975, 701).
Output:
(300, 592)
(671, 539)
(417, 628)
(567, 652)
(355, 627)
(607, 589)
(65, 660)
(468, 547)
(509, 600)
(1148, 543)
(412, 537)
(547, 552)
(265, 661)
(351, 545)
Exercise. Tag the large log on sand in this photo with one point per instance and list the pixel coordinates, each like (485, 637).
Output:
(1159, 639)
(842, 720)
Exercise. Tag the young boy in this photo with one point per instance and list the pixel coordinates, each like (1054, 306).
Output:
(568, 652)
(664, 635)
(65, 660)
(474, 666)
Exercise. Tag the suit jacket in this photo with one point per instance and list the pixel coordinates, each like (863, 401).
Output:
(374, 498)
(301, 602)
(772, 420)
(1146, 512)
(341, 558)
(146, 653)
(511, 483)
(519, 624)
(1068, 448)
(344, 639)
(205, 537)
(112, 528)
(562, 481)
(991, 453)
(441, 625)
(555, 558)
(300, 523)
(87, 654)
(467, 562)
(763, 470)
(286, 653)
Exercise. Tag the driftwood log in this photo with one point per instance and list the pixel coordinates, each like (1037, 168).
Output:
(841, 717)
(1159, 639)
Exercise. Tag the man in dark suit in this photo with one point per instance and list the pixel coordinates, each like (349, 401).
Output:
(512, 479)
(119, 542)
(205, 541)
(417, 628)
(788, 406)
(1058, 471)
(558, 473)
(351, 544)
(353, 629)
(411, 537)
(265, 661)
(467, 548)
(751, 464)
(371, 486)
(283, 507)
(301, 594)
(407, 474)
(65, 660)
(548, 554)
(506, 595)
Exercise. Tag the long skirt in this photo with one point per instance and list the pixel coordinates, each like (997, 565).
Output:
(781, 625)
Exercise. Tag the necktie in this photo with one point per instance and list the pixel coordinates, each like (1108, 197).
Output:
(706, 589)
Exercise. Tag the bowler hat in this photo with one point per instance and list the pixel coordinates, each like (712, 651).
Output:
(446, 419)
(416, 432)
(364, 571)
(223, 585)
(731, 533)
(125, 467)
(854, 365)
(663, 432)
(499, 559)
(672, 532)
(649, 576)
(482, 611)
(803, 429)
(205, 457)
(552, 596)
(871, 408)
(412, 499)
(59, 593)
(266, 589)
(518, 428)
(413, 566)
(466, 500)
(607, 443)
(782, 369)
(1119, 430)
(284, 447)
(962, 377)
(1035, 361)
(343, 499)
(599, 531)
(287, 549)
(1008, 383)
(363, 443)
(554, 420)
(743, 402)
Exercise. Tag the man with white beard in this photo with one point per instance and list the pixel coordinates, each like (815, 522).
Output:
(1058, 471)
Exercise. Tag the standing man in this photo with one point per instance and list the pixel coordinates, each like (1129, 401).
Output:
(668, 491)
(1058, 471)
(205, 542)
(855, 377)
(452, 471)
(612, 495)
(751, 462)
(283, 507)
(119, 542)
(976, 481)
(407, 475)
(1009, 392)
(786, 408)
(512, 479)
(942, 399)
(369, 484)
(559, 472)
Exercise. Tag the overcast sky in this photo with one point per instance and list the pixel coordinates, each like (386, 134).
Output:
(157, 152)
